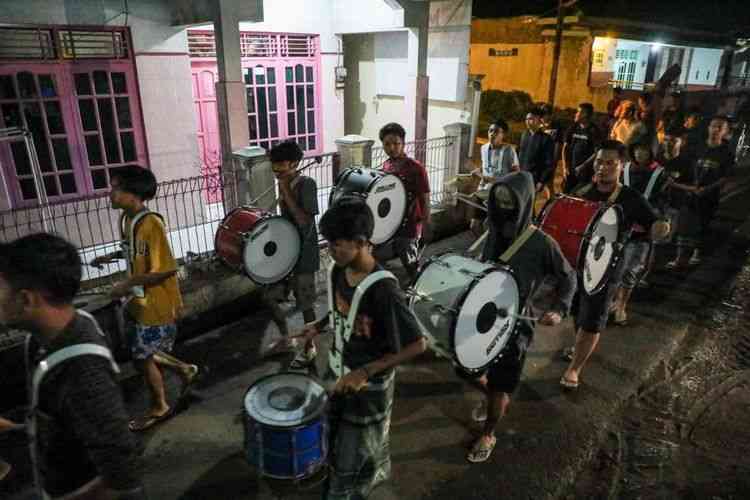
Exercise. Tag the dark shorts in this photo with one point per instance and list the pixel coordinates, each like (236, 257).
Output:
(505, 374)
(593, 310)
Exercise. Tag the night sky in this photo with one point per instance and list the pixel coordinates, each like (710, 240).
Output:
(728, 16)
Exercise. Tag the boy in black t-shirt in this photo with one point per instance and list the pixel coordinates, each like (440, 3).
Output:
(298, 202)
(578, 151)
(700, 183)
(374, 332)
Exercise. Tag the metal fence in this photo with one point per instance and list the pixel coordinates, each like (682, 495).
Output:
(192, 208)
(435, 155)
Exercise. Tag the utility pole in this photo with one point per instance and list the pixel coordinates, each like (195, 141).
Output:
(556, 53)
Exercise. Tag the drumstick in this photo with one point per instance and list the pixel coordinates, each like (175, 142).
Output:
(309, 164)
(469, 201)
(473, 248)
(503, 313)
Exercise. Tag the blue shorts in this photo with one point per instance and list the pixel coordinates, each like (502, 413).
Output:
(147, 339)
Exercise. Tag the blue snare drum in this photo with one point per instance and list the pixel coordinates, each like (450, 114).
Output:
(286, 430)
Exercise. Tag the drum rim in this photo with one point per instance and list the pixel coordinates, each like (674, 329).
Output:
(320, 413)
(621, 235)
(246, 234)
(461, 298)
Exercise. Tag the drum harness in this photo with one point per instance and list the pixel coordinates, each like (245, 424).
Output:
(655, 174)
(44, 367)
(343, 326)
(127, 243)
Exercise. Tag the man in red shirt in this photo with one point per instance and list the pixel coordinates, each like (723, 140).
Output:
(405, 243)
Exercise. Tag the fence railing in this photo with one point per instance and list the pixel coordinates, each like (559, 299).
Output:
(435, 155)
(192, 207)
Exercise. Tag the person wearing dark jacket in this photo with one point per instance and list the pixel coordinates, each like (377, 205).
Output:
(533, 256)
(84, 449)
(536, 152)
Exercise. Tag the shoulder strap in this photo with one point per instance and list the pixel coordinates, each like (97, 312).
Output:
(652, 182)
(626, 174)
(359, 292)
(615, 194)
(518, 243)
(584, 189)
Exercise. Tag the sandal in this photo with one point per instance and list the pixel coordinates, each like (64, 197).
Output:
(144, 422)
(567, 384)
(480, 452)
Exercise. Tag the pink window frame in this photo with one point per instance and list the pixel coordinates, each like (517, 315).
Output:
(64, 69)
(279, 63)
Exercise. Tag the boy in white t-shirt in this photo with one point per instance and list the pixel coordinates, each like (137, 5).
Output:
(498, 158)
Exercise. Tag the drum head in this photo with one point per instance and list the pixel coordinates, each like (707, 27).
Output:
(285, 400)
(486, 320)
(601, 251)
(271, 250)
(387, 200)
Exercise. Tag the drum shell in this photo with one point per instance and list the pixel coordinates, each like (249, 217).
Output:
(229, 241)
(363, 182)
(109, 314)
(290, 451)
(568, 221)
(443, 331)
(286, 453)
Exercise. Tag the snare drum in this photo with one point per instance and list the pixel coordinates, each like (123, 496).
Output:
(286, 430)
(590, 235)
(384, 194)
(264, 246)
(467, 309)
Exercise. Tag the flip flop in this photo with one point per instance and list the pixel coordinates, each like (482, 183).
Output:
(570, 385)
(144, 422)
(481, 452)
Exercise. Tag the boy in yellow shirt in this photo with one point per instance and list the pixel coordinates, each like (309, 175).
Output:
(154, 294)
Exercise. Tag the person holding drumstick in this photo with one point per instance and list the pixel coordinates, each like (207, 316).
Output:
(298, 201)
(154, 299)
(533, 256)
(498, 158)
(405, 243)
(593, 310)
(374, 332)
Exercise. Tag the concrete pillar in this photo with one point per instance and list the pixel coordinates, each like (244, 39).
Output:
(417, 90)
(230, 89)
(354, 150)
(457, 156)
(255, 180)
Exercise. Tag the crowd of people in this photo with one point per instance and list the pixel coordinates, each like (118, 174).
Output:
(665, 175)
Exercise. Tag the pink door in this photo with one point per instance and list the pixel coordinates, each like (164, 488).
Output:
(204, 95)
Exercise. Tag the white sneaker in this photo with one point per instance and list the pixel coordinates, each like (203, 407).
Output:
(695, 259)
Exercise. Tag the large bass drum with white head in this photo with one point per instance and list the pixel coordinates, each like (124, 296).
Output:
(384, 193)
(467, 309)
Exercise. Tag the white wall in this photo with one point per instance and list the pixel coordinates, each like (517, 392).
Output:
(364, 16)
(704, 68)
(162, 65)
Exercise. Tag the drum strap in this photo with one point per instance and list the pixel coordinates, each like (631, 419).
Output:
(612, 197)
(344, 326)
(518, 243)
(652, 182)
(43, 368)
(128, 237)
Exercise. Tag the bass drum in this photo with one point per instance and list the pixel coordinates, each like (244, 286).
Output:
(384, 194)
(286, 430)
(263, 246)
(590, 234)
(466, 309)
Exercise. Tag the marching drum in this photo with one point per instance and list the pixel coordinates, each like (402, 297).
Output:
(286, 431)
(590, 235)
(467, 309)
(264, 246)
(384, 194)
